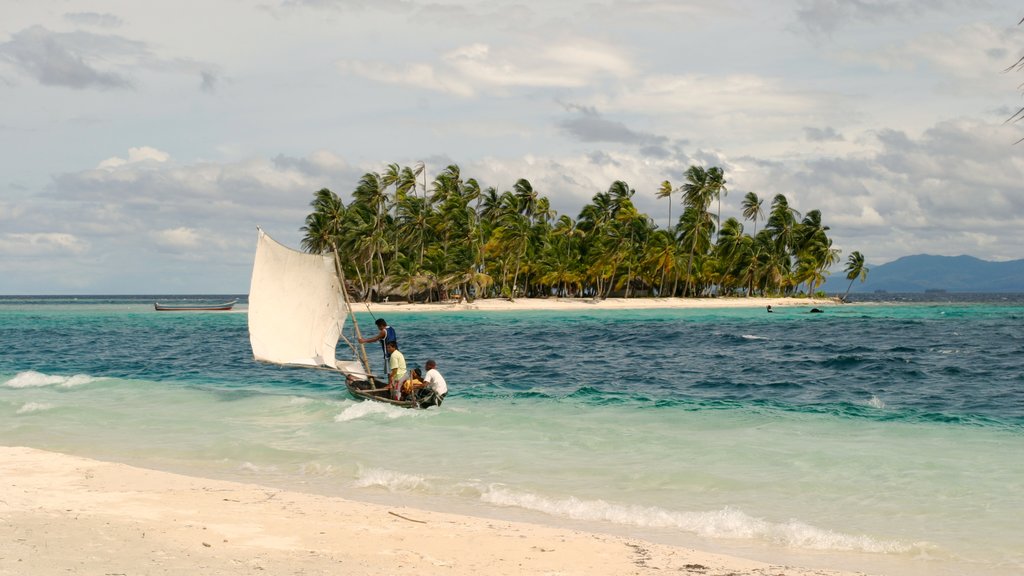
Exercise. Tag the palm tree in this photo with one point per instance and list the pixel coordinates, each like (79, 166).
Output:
(695, 227)
(373, 203)
(663, 257)
(752, 209)
(728, 249)
(490, 205)
(782, 223)
(411, 222)
(665, 191)
(560, 259)
(700, 188)
(855, 268)
(461, 235)
(408, 277)
(514, 238)
(526, 198)
(717, 182)
(813, 249)
(324, 225)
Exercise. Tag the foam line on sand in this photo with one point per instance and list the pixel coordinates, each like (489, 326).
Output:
(64, 514)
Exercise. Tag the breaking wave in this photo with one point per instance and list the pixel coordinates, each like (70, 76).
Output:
(30, 407)
(33, 379)
(725, 523)
(369, 409)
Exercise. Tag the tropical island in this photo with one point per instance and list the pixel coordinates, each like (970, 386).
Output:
(457, 240)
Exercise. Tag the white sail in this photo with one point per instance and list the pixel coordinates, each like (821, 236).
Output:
(296, 310)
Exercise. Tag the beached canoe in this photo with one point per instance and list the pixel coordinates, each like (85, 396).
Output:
(192, 307)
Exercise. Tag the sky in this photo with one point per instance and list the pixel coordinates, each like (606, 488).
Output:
(142, 143)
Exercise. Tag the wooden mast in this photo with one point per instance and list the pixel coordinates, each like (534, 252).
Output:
(355, 325)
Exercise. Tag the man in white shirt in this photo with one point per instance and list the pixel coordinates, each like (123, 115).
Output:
(435, 383)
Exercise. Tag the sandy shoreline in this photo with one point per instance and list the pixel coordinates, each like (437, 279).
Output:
(69, 515)
(589, 304)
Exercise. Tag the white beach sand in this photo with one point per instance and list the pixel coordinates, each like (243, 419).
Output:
(63, 515)
(570, 304)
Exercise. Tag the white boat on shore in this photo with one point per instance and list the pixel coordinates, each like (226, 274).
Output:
(194, 307)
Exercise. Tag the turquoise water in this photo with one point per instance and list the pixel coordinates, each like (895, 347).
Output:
(885, 437)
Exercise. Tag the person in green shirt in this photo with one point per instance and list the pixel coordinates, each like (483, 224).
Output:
(396, 370)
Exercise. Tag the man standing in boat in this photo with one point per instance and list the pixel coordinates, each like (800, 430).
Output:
(384, 336)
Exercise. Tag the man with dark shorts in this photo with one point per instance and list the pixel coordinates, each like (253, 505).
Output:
(386, 334)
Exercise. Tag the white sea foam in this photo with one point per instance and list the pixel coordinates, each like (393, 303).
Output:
(725, 523)
(393, 481)
(30, 407)
(250, 467)
(876, 402)
(33, 379)
(316, 469)
(369, 408)
(753, 337)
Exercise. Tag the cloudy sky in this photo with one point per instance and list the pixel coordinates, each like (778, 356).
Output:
(141, 143)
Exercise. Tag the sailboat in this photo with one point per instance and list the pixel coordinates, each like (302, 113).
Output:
(297, 312)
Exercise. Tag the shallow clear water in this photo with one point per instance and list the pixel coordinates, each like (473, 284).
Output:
(886, 437)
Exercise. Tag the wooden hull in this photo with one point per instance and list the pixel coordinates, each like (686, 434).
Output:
(377, 392)
(194, 307)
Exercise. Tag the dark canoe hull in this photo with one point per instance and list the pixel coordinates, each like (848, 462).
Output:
(377, 392)
(194, 307)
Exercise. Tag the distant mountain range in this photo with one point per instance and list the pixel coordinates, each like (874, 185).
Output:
(924, 273)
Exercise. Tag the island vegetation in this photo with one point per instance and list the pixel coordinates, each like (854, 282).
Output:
(456, 238)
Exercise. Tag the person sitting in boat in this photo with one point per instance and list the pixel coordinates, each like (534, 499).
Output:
(386, 334)
(413, 383)
(396, 369)
(434, 387)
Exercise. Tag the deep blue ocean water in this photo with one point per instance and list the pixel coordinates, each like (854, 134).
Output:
(885, 436)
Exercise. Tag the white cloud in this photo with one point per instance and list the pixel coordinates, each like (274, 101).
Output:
(868, 217)
(969, 59)
(828, 16)
(10, 210)
(742, 111)
(473, 69)
(135, 156)
(21, 245)
(94, 19)
(71, 59)
(178, 238)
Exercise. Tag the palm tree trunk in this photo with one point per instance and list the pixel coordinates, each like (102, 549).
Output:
(515, 281)
(847, 293)
(689, 267)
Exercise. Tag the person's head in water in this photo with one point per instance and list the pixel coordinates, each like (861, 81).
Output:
(770, 308)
